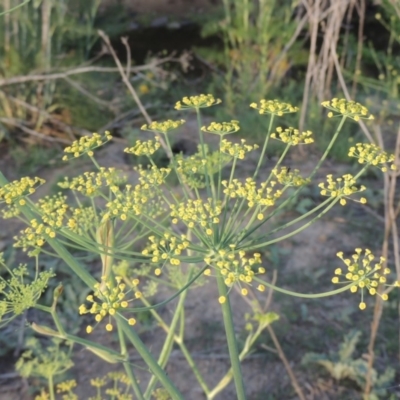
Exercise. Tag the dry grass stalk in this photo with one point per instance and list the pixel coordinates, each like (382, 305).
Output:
(391, 234)
(325, 17)
(391, 244)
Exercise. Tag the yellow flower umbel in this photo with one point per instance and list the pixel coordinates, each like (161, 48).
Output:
(14, 192)
(111, 299)
(236, 268)
(222, 129)
(343, 187)
(264, 195)
(144, 148)
(367, 153)
(163, 127)
(349, 109)
(274, 107)
(237, 150)
(292, 136)
(86, 145)
(91, 183)
(197, 102)
(287, 177)
(364, 275)
(200, 215)
(166, 250)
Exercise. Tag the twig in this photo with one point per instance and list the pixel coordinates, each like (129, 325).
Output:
(285, 362)
(124, 41)
(50, 117)
(390, 230)
(131, 89)
(18, 124)
(313, 21)
(81, 70)
(86, 93)
(346, 92)
(360, 43)
(288, 45)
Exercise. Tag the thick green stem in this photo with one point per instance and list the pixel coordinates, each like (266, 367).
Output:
(51, 387)
(127, 366)
(149, 359)
(169, 341)
(231, 339)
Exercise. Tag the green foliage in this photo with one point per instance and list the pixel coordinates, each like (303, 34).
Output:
(32, 158)
(254, 35)
(342, 365)
(44, 362)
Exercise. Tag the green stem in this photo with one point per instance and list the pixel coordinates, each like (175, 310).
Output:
(265, 146)
(296, 231)
(231, 339)
(251, 339)
(328, 149)
(51, 388)
(203, 152)
(169, 341)
(128, 369)
(304, 295)
(149, 359)
(281, 227)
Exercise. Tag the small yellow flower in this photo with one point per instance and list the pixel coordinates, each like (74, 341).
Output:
(163, 127)
(197, 102)
(292, 136)
(222, 299)
(86, 145)
(274, 107)
(349, 109)
(365, 275)
(222, 129)
(143, 88)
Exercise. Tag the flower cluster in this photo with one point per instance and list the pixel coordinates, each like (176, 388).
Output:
(53, 210)
(343, 187)
(286, 177)
(371, 154)
(349, 109)
(292, 136)
(193, 168)
(263, 196)
(67, 387)
(82, 219)
(110, 300)
(147, 148)
(134, 199)
(222, 129)
(237, 150)
(364, 275)
(91, 183)
(163, 127)
(86, 145)
(166, 249)
(199, 213)
(115, 385)
(16, 295)
(16, 191)
(196, 102)
(274, 107)
(236, 268)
